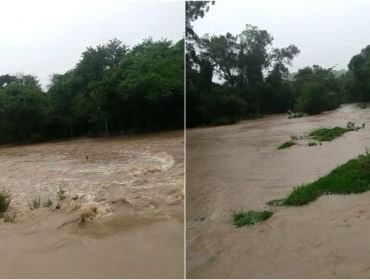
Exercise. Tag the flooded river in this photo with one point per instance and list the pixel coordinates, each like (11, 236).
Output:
(122, 216)
(236, 167)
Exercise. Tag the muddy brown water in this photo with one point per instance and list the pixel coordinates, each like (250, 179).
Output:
(239, 167)
(122, 216)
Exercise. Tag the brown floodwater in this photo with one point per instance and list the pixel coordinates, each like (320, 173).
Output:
(122, 216)
(236, 167)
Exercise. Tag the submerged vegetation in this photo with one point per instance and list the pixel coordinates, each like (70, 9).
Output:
(327, 134)
(5, 200)
(61, 194)
(251, 217)
(287, 145)
(35, 203)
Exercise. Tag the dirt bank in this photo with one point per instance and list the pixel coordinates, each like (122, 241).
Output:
(239, 167)
(122, 218)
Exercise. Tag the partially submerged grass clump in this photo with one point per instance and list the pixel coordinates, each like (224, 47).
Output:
(351, 177)
(287, 144)
(9, 217)
(61, 194)
(251, 217)
(327, 134)
(5, 199)
(310, 144)
(48, 203)
(34, 203)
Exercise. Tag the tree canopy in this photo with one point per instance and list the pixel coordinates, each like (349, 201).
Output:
(112, 89)
(236, 76)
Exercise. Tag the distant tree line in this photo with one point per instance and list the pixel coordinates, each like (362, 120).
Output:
(113, 89)
(232, 77)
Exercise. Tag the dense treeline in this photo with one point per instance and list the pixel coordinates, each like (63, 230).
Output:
(231, 77)
(113, 89)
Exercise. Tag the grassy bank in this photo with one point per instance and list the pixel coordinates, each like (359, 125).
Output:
(351, 177)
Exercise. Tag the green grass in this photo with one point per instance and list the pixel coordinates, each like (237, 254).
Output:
(251, 217)
(328, 134)
(287, 145)
(351, 177)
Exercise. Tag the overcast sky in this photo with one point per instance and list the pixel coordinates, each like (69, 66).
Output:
(328, 32)
(42, 37)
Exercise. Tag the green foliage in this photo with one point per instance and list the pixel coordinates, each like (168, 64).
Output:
(5, 200)
(112, 90)
(351, 177)
(328, 134)
(252, 75)
(316, 90)
(35, 203)
(24, 111)
(287, 145)
(357, 84)
(251, 217)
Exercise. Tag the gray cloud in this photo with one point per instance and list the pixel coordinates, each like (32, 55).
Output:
(328, 32)
(42, 37)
